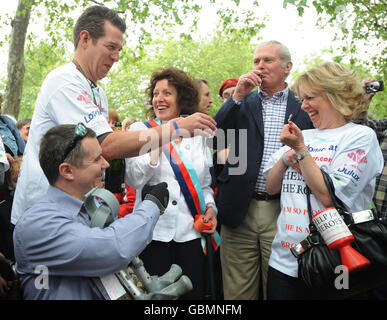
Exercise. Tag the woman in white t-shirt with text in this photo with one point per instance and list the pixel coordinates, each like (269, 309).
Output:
(332, 96)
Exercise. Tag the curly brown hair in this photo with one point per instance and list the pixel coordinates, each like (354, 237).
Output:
(187, 90)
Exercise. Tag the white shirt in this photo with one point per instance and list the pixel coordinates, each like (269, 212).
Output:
(65, 97)
(352, 157)
(177, 221)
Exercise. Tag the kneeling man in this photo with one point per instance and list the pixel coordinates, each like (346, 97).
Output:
(55, 233)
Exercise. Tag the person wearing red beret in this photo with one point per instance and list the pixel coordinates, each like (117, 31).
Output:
(227, 88)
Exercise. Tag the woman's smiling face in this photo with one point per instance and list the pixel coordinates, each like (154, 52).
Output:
(321, 111)
(165, 101)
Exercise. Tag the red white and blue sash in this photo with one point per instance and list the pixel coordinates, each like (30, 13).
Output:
(189, 183)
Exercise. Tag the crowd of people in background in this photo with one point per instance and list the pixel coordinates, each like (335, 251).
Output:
(181, 191)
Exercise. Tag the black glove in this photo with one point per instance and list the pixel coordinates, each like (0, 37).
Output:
(158, 194)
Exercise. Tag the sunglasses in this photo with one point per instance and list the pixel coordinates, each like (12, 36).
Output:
(79, 133)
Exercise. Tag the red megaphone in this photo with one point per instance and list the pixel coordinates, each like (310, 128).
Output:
(337, 236)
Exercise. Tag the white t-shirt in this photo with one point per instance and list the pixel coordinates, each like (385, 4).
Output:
(177, 221)
(65, 97)
(352, 157)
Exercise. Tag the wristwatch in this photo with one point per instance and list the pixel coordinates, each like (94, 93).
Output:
(302, 155)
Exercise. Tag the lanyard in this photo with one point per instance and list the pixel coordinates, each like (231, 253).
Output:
(92, 91)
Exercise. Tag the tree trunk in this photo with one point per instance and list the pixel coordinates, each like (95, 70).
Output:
(15, 68)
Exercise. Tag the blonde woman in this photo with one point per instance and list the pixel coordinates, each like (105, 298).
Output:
(332, 96)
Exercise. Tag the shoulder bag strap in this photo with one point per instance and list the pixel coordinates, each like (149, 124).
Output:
(338, 204)
(312, 227)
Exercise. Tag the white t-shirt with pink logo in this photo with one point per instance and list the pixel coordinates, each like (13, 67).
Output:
(65, 97)
(352, 157)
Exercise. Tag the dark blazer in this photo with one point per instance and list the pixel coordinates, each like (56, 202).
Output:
(236, 191)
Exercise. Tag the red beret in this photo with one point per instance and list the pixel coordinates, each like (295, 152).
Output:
(227, 84)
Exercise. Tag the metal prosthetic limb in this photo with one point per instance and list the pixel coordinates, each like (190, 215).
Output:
(171, 292)
(164, 287)
(175, 290)
(155, 283)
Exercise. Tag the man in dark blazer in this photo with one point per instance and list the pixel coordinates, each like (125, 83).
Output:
(247, 213)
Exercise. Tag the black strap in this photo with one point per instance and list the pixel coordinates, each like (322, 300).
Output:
(312, 227)
(338, 204)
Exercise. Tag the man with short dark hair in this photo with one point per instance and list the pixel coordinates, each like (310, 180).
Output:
(70, 94)
(23, 125)
(56, 232)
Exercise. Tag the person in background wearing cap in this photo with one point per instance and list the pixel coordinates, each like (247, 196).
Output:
(227, 89)
(247, 213)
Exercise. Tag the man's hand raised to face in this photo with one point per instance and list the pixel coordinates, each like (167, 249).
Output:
(246, 83)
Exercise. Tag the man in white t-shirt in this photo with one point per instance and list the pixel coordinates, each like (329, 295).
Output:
(70, 95)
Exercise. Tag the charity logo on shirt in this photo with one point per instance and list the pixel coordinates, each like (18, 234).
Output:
(85, 97)
(92, 115)
(354, 165)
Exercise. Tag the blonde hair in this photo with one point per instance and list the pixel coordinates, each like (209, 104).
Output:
(340, 86)
(128, 122)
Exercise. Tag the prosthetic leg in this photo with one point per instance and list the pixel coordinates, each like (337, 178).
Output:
(169, 286)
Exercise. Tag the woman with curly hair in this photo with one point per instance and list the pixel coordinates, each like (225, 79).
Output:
(333, 97)
(172, 93)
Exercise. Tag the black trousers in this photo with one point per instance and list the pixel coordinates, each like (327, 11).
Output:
(159, 256)
(280, 286)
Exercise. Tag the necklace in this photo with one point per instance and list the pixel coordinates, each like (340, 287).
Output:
(79, 68)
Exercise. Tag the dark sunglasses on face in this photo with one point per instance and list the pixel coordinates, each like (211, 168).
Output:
(79, 133)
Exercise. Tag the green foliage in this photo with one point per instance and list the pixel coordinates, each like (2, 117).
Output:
(140, 16)
(361, 27)
(143, 19)
(379, 101)
(215, 60)
(39, 61)
(152, 42)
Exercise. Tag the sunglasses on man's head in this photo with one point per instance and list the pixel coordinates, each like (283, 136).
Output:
(79, 133)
